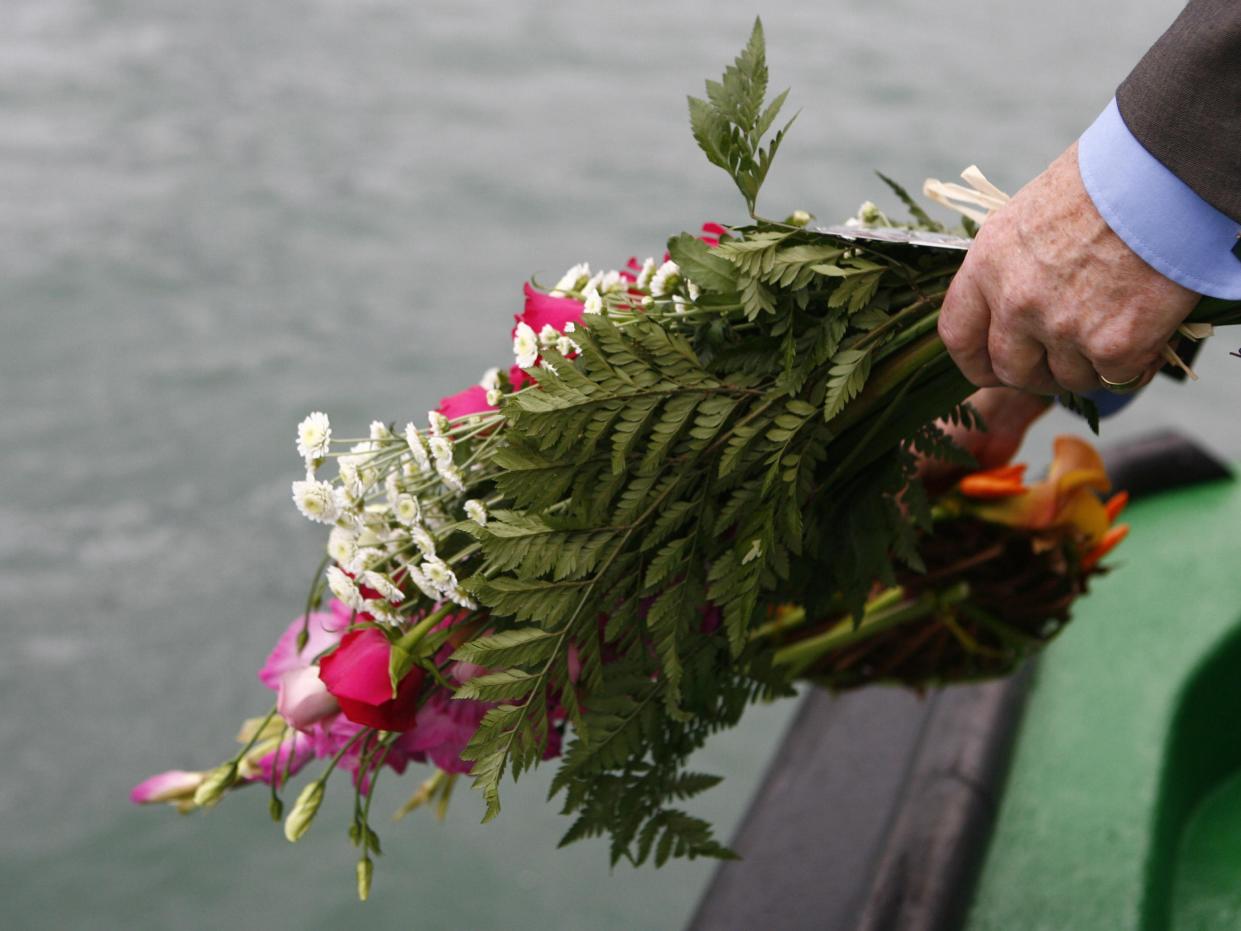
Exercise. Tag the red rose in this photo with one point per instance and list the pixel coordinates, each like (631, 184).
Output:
(356, 674)
(472, 400)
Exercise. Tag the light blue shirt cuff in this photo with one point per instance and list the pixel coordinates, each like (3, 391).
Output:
(1157, 214)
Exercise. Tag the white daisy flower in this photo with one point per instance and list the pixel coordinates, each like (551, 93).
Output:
(439, 423)
(458, 595)
(692, 289)
(666, 279)
(570, 327)
(407, 510)
(648, 301)
(314, 436)
(476, 511)
(525, 346)
(380, 431)
(384, 585)
(451, 476)
(593, 282)
(565, 346)
(593, 303)
(441, 449)
(342, 546)
(548, 336)
(381, 610)
(424, 541)
(612, 281)
(440, 575)
(494, 396)
(419, 578)
(316, 501)
(571, 280)
(490, 380)
(392, 488)
(644, 276)
(417, 447)
(350, 480)
(343, 588)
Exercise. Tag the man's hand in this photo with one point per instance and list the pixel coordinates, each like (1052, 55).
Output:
(1049, 298)
(1007, 413)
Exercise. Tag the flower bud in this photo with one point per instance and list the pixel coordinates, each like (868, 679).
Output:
(304, 810)
(218, 781)
(276, 808)
(366, 869)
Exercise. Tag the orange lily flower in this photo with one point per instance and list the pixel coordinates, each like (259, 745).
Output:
(1068, 499)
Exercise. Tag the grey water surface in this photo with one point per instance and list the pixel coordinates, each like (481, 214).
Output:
(215, 217)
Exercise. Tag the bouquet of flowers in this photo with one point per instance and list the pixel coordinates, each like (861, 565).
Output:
(697, 485)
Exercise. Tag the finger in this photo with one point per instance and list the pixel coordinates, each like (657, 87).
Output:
(1072, 370)
(964, 322)
(1020, 361)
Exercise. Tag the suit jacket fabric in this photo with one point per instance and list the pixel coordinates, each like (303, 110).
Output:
(1183, 101)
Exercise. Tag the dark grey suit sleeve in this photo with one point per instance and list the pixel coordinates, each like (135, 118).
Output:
(1183, 101)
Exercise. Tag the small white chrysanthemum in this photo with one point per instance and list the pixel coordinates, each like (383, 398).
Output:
(566, 346)
(407, 510)
(869, 214)
(610, 282)
(417, 447)
(476, 511)
(593, 283)
(665, 280)
(490, 380)
(419, 578)
(525, 345)
(366, 557)
(648, 301)
(392, 488)
(570, 327)
(548, 336)
(692, 289)
(679, 304)
(451, 476)
(460, 597)
(384, 585)
(440, 575)
(350, 480)
(316, 501)
(314, 437)
(644, 276)
(593, 303)
(571, 280)
(441, 449)
(342, 546)
(424, 541)
(439, 423)
(381, 610)
(494, 396)
(380, 431)
(755, 551)
(343, 588)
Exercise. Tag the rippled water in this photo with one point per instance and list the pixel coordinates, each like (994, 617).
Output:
(215, 217)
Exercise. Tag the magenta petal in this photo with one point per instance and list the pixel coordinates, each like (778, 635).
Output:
(472, 400)
(543, 310)
(166, 787)
(324, 629)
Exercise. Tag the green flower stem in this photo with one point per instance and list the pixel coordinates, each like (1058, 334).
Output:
(877, 619)
(414, 635)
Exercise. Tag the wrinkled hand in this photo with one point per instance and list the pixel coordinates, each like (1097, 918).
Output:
(1049, 298)
(1008, 414)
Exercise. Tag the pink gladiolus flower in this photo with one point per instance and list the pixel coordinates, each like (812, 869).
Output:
(472, 400)
(303, 699)
(445, 726)
(543, 310)
(176, 785)
(325, 629)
